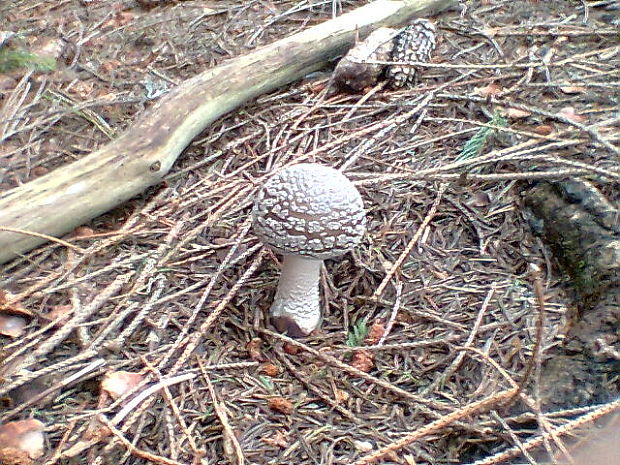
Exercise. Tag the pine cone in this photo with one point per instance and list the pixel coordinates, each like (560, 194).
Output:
(353, 72)
(415, 42)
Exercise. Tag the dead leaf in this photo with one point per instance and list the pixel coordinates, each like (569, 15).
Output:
(253, 348)
(406, 318)
(278, 439)
(83, 231)
(543, 129)
(375, 333)
(280, 404)
(13, 317)
(12, 325)
(269, 369)
(515, 113)
(108, 66)
(363, 360)
(39, 171)
(317, 87)
(118, 383)
(9, 305)
(341, 396)
(573, 89)
(490, 31)
(120, 19)
(569, 113)
(291, 349)
(490, 90)
(22, 439)
(82, 89)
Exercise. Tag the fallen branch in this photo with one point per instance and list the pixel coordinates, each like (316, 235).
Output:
(563, 430)
(58, 202)
(437, 425)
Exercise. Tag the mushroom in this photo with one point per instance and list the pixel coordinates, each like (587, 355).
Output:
(308, 213)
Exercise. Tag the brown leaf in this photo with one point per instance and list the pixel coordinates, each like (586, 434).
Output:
(108, 66)
(121, 18)
(491, 90)
(39, 171)
(22, 437)
(12, 325)
(118, 383)
(278, 439)
(341, 396)
(375, 333)
(253, 348)
(9, 305)
(573, 89)
(490, 31)
(269, 369)
(316, 87)
(291, 349)
(83, 231)
(82, 89)
(543, 129)
(280, 404)
(569, 113)
(363, 360)
(406, 318)
(515, 113)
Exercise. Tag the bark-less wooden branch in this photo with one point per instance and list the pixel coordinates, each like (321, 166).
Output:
(72, 195)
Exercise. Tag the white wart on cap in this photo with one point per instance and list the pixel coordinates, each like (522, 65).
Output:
(308, 213)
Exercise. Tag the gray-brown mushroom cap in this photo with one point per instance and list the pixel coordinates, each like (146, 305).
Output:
(309, 210)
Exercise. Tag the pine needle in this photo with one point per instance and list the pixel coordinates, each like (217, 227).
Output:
(14, 59)
(474, 146)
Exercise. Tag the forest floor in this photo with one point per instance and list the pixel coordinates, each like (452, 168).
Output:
(431, 319)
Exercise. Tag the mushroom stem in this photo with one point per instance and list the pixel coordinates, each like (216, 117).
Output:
(296, 309)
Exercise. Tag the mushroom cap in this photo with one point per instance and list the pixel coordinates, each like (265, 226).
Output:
(310, 210)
